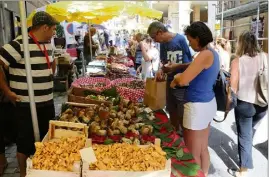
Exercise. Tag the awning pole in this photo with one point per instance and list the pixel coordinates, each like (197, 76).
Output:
(222, 25)
(257, 20)
(90, 36)
(28, 69)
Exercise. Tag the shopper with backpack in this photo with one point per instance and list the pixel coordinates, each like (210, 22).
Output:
(249, 79)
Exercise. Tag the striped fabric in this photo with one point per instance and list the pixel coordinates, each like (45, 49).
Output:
(12, 55)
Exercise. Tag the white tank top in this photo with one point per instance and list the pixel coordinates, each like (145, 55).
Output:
(248, 74)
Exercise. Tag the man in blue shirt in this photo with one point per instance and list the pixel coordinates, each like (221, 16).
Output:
(175, 56)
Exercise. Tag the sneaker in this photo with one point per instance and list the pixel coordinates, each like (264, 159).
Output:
(237, 173)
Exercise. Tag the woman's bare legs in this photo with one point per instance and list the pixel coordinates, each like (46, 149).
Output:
(197, 143)
(205, 157)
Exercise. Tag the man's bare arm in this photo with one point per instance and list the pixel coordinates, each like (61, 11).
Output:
(174, 67)
(3, 84)
(5, 88)
(182, 66)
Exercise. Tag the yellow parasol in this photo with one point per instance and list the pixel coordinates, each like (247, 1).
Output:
(95, 11)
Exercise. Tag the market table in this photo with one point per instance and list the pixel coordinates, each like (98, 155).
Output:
(183, 163)
(179, 168)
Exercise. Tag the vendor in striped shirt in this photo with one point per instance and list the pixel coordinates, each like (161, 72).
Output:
(43, 67)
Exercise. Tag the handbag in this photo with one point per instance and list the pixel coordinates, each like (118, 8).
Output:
(262, 82)
(152, 70)
(225, 96)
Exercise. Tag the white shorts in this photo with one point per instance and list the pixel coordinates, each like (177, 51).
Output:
(198, 115)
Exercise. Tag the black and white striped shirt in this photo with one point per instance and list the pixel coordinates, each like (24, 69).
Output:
(12, 55)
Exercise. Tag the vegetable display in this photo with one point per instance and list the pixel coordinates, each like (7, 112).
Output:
(58, 155)
(126, 157)
(109, 124)
(135, 84)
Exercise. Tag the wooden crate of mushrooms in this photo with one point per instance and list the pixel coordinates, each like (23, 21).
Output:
(109, 124)
(121, 159)
(58, 153)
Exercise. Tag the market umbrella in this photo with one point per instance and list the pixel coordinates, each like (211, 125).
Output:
(58, 13)
(95, 11)
(98, 26)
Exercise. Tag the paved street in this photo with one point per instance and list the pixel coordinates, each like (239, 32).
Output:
(224, 154)
(222, 148)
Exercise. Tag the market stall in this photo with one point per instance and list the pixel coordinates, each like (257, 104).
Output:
(106, 114)
(65, 70)
(112, 117)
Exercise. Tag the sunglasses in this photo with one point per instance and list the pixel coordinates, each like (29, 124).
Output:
(153, 36)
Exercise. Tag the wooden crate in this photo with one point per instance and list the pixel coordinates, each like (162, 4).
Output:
(77, 95)
(98, 173)
(55, 132)
(59, 129)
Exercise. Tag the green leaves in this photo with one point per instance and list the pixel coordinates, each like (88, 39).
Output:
(59, 31)
(115, 108)
(166, 140)
(186, 156)
(175, 172)
(193, 166)
(185, 170)
(93, 97)
(110, 92)
(157, 121)
(89, 92)
(177, 142)
(143, 115)
(116, 100)
(108, 141)
(180, 153)
(175, 152)
(169, 128)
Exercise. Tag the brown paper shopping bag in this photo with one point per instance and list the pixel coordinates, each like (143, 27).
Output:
(155, 94)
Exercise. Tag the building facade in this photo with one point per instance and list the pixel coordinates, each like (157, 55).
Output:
(10, 18)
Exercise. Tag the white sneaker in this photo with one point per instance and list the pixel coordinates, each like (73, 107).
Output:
(241, 173)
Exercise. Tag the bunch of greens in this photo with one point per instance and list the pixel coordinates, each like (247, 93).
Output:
(111, 93)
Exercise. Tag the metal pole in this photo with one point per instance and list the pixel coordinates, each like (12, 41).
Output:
(222, 10)
(215, 31)
(28, 69)
(83, 65)
(234, 26)
(3, 28)
(258, 19)
(90, 37)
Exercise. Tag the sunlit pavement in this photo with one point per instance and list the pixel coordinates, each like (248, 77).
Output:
(223, 149)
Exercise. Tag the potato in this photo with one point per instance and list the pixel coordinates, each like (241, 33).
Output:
(116, 132)
(123, 129)
(113, 115)
(145, 130)
(128, 116)
(101, 132)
